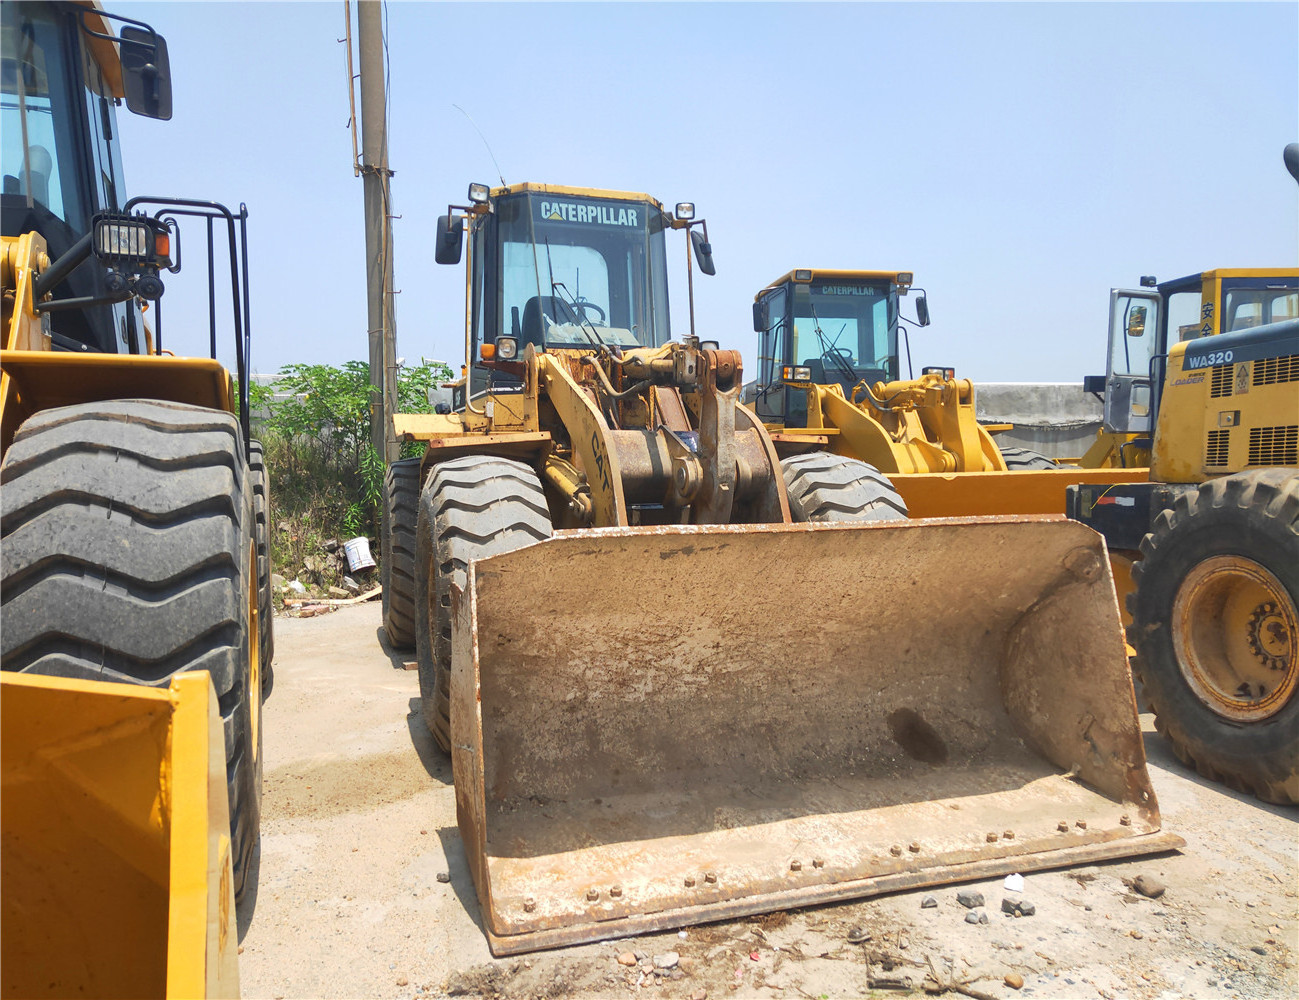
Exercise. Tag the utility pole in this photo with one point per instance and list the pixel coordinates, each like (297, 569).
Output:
(378, 229)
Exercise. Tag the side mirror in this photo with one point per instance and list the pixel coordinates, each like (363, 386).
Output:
(1137, 322)
(146, 73)
(703, 252)
(922, 310)
(1291, 158)
(759, 317)
(447, 247)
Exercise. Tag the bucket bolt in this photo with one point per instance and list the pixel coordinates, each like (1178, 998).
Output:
(1062, 826)
(592, 895)
(796, 865)
(896, 850)
(529, 905)
(991, 838)
(710, 878)
(690, 881)
(913, 847)
(1081, 824)
(1008, 835)
(1125, 820)
(818, 862)
(616, 892)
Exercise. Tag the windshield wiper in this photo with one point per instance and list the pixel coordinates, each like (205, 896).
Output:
(829, 350)
(579, 314)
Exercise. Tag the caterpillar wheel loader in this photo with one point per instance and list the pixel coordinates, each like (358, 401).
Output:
(134, 580)
(831, 379)
(640, 737)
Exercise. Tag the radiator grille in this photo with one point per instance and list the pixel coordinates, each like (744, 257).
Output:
(1215, 450)
(1273, 445)
(1270, 371)
(1221, 384)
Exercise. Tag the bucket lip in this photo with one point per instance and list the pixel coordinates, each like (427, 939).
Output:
(683, 530)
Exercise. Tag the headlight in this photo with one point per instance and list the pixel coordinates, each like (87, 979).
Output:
(478, 193)
(507, 348)
(906, 278)
(803, 274)
(797, 374)
(685, 210)
(123, 239)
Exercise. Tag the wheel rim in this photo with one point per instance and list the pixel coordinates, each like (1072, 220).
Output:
(1235, 632)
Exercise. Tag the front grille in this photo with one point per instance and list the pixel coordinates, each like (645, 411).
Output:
(1274, 445)
(1270, 371)
(1221, 384)
(1215, 450)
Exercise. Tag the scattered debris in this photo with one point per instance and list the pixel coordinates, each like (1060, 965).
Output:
(928, 903)
(1148, 885)
(1014, 883)
(402, 981)
(627, 958)
(971, 917)
(1018, 907)
(970, 898)
(337, 603)
(858, 935)
(1014, 980)
(296, 586)
(444, 876)
(1258, 949)
(668, 960)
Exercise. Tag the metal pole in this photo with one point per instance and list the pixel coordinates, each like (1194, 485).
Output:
(378, 228)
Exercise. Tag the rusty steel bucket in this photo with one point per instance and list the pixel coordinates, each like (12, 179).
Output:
(659, 727)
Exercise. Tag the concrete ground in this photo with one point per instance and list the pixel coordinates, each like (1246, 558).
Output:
(359, 823)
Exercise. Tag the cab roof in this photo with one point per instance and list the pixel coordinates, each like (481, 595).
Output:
(602, 194)
(823, 273)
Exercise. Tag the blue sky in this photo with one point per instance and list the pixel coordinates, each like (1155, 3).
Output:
(1020, 158)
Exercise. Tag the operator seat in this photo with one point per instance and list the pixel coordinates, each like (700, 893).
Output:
(534, 327)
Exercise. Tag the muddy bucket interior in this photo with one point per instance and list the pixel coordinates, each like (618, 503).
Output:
(656, 728)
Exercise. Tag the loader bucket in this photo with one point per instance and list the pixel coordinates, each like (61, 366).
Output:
(659, 727)
(116, 855)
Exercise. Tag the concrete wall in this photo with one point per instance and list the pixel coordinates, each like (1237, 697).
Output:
(1056, 419)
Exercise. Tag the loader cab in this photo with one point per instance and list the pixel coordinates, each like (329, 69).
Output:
(565, 269)
(822, 327)
(62, 75)
(1146, 322)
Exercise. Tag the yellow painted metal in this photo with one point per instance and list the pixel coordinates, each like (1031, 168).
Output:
(116, 854)
(576, 192)
(1032, 491)
(1111, 450)
(620, 772)
(1235, 630)
(826, 273)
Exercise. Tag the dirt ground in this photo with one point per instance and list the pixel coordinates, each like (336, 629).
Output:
(359, 829)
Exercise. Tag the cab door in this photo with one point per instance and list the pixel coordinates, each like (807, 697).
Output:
(1134, 334)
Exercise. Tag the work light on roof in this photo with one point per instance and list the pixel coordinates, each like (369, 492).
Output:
(478, 193)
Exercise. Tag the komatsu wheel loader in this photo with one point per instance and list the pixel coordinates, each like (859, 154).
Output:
(643, 733)
(831, 379)
(134, 582)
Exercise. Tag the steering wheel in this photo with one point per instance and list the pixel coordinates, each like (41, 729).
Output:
(580, 306)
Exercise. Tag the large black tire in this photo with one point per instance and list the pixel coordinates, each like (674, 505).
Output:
(1018, 459)
(469, 508)
(825, 487)
(397, 551)
(127, 554)
(1216, 630)
(265, 608)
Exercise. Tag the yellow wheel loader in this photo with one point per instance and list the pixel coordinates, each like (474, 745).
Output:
(134, 581)
(1215, 536)
(643, 735)
(830, 380)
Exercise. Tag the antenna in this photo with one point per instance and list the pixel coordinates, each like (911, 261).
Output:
(485, 143)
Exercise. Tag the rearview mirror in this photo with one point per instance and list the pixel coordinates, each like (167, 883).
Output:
(759, 317)
(146, 73)
(703, 252)
(448, 243)
(1137, 322)
(922, 310)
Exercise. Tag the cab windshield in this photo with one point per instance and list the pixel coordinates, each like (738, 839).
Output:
(845, 332)
(578, 272)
